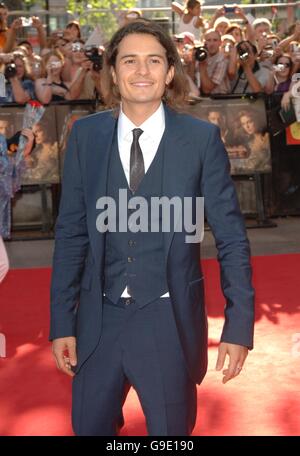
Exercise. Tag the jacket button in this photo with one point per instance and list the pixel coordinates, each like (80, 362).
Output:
(127, 302)
(130, 259)
(131, 243)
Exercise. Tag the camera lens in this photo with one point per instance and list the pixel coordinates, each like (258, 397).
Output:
(200, 53)
(10, 71)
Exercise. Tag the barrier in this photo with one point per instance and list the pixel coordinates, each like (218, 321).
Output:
(256, 158)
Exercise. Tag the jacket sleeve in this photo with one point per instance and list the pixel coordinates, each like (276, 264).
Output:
(71, 242)
(227, 224)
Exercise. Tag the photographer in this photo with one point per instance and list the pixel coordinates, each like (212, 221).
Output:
(19, 86)
(184, 43)
(51, 87)
(249, 76)
(17, 25)
(220, 23)
(93, 78)
(213, 68)
(85, 70)
(283, 70)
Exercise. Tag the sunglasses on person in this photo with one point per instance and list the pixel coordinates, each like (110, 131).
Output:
(286, 64)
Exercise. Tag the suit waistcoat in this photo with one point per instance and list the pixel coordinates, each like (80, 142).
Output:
(135, 259)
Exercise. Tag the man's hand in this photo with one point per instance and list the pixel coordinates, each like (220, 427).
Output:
(64, 351)
(237, 356)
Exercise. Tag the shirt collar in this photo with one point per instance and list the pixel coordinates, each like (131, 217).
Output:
(151, 127)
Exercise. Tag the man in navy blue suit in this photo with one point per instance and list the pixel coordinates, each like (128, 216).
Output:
(127, 305)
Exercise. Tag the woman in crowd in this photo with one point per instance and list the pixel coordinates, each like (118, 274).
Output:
(283, 70)
(190, 19)
(20, 86)
(52, 87)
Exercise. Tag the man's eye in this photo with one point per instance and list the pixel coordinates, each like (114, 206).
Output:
(130, 61)
(154, 60)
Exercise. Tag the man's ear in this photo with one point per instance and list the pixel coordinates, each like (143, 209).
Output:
(170, 75)
(113, 74)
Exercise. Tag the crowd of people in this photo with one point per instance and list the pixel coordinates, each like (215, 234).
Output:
(219, 55)
(225, 54)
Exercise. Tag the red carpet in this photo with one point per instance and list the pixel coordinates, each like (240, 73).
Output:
(264, 400)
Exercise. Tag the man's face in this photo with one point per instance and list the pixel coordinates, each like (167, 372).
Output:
(248, 125)
(214, 117)
(261, 29)
(141, 71)
(212, 42)
(3, 127)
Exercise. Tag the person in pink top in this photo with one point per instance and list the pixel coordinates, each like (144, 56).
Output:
(4, 265)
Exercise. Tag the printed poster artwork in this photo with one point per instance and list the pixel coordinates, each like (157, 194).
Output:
(66, 116)
(42, 164)
(243, 127)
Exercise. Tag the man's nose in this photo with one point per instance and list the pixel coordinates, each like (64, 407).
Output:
(143, 67)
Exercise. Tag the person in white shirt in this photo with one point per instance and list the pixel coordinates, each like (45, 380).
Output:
(190, 19)
(127, 302)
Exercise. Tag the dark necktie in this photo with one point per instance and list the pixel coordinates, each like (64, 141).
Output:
(137, 169)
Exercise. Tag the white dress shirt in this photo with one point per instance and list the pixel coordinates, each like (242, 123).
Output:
(153, 130)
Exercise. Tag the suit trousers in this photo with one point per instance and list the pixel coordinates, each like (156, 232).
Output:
(139, 347)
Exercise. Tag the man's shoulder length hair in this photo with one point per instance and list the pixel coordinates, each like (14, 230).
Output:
(176, 92)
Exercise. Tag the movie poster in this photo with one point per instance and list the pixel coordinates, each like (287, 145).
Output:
(66, 115)
(243, 127)
(42, 163)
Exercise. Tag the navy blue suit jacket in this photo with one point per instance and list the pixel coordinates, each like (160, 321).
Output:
(195, 164)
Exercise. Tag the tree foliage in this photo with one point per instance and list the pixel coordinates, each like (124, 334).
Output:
(108, 21)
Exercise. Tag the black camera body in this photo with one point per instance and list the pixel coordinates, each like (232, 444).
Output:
(243, 52)
(10, 71)
(91, 52)
(201, 53)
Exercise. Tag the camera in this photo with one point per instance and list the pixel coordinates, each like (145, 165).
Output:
(201, 53)
(227, 48)
(26, 21)
(268, 50)
(229, 9)
(279, 67)
(76, 47)
(56, 64)
(243, 52)
(92, 53)
(10, 71)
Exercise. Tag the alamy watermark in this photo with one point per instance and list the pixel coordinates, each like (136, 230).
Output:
(137, 214)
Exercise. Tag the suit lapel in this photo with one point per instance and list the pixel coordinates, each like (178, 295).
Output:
(177, 148)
